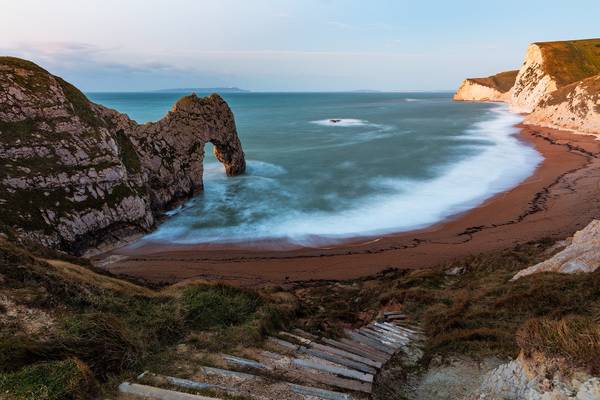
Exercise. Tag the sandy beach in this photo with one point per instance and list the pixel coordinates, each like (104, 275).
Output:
(558, 199)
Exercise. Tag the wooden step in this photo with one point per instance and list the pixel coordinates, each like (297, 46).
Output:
(386, 340)
(358, 348)
(345, 372)
(320, 393)
(390, 334)
(227, 373)
(161, 380)
(304, 334)
(346, 354)
(394, 314)
(338, 360)
(243, 362)
(136, 390)
(354, 335)
(312, 376)
(292, 387)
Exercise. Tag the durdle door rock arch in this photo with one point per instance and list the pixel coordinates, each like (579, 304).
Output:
(171, 150)
(80, 177)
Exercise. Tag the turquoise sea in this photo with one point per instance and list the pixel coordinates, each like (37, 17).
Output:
(394, 162)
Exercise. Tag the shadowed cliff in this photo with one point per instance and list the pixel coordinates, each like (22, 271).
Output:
(76, 175)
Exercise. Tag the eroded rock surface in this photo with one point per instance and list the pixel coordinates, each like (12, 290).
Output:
(582, 254)
(525, 378)
(574, 107)
(75, 175)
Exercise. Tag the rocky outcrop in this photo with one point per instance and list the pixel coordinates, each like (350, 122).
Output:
(581, 254)
(492, 88)
(522, 379)
(574, 107)
(76, 175)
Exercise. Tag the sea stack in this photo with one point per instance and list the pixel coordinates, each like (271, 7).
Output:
(76, 175)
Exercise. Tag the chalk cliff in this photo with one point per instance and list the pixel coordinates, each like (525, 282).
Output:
(574, 107)
(493, 88)
(558, 84)
(76, 175)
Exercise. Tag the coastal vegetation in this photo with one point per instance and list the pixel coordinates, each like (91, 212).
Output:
(86, 325)
(96, 329)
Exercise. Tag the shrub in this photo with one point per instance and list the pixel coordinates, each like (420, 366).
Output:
(58, 380)
(210, 306)
(103, 341)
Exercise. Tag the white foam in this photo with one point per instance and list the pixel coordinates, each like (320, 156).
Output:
(343, 122)
(401, 205)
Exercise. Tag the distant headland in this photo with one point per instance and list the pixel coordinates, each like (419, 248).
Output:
(204, 90)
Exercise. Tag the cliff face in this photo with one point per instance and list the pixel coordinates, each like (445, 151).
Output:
(76, 175)
(557, 84)
(574, 107)
(532, 81)
(552, 65)
(492, 88)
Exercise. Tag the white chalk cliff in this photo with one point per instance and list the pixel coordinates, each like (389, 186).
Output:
(558, 84)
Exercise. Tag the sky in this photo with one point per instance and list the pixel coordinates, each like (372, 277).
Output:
(284, 45)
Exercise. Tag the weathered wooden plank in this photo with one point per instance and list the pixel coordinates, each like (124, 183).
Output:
(228, 373)
(401, 328)
(394, 314)
(283, 344)
(334, 381)
(182, 383)
(316, 392)
(381, 338)
(348, 373)
(338, 360)
(357, 348)
(369, 342)
(390, 334)
(346, 354)
(151, 392)
(375, 354)
(392, 329)
(305, 334)
(244, 362)
(300, 339)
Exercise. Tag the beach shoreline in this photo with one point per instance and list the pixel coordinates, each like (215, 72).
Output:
(555, 201)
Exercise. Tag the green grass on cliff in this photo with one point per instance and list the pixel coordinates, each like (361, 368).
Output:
(109, 326)
(502, 81)
(58, 380)
(571, 61)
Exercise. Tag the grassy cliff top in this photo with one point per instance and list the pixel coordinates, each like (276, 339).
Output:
(502, 81)
(572, 60)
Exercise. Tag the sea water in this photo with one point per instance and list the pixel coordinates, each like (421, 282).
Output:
(393, 162)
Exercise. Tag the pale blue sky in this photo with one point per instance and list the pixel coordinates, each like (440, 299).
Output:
(287, 44)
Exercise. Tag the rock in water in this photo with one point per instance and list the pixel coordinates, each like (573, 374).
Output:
(76, 175)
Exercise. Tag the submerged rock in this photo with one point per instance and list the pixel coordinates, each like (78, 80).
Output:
(76, 175)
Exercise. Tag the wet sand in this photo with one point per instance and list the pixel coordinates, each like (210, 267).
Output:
(562, 196)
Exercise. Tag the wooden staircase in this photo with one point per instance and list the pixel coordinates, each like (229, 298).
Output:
(294, 365)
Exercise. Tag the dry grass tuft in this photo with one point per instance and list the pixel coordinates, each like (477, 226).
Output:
(575, 339)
